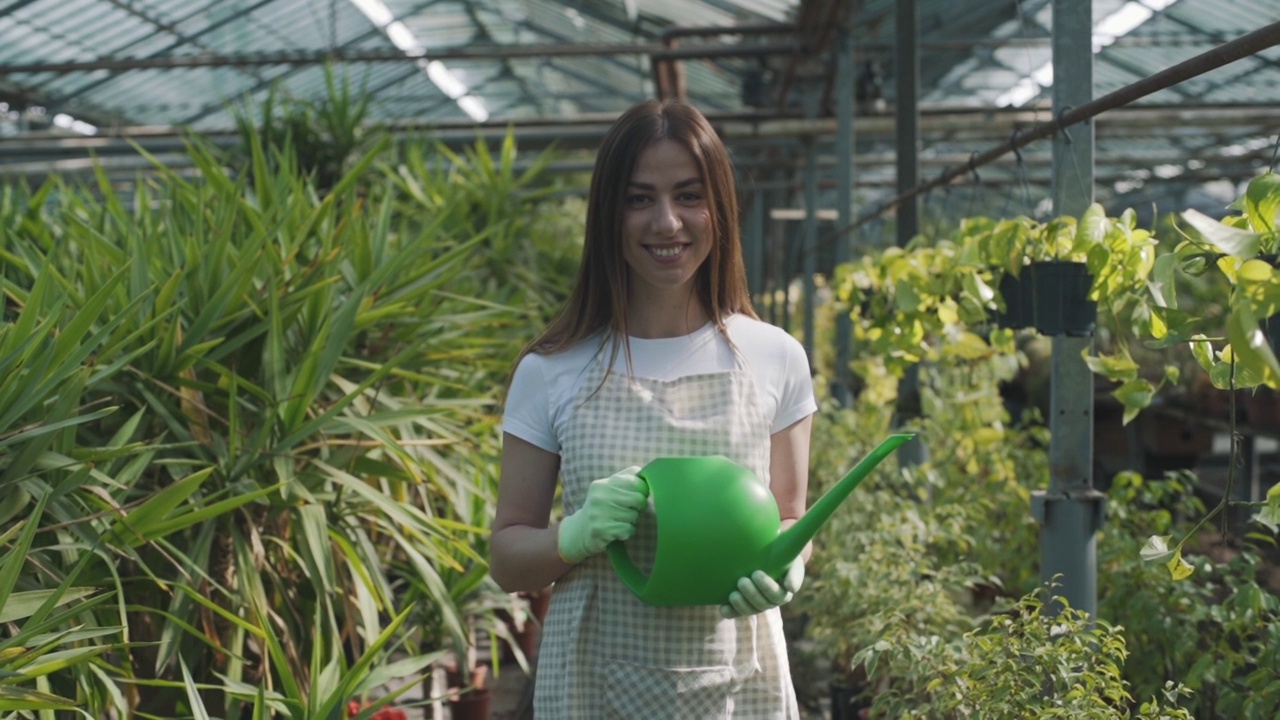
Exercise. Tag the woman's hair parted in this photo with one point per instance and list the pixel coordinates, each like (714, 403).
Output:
(599, 297)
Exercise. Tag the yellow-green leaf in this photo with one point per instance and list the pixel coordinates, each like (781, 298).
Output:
(1180, 569)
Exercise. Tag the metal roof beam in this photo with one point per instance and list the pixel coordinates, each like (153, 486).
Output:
(263, 83)
(496, 52)
(172, 46)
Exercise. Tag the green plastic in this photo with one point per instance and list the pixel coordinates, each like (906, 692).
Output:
(717, 522)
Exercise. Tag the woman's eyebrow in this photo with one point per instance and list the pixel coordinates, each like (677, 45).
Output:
(679, 185)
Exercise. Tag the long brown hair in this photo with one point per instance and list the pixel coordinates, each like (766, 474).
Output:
(599, 298)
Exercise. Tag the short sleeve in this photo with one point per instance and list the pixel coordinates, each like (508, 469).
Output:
(795, 399)
(527, 414)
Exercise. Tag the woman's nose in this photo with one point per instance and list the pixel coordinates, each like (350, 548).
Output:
(667, 219)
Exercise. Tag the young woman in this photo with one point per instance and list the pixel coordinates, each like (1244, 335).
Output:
(657, 353)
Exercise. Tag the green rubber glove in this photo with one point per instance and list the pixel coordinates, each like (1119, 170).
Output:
(759, 592)
(610, 512)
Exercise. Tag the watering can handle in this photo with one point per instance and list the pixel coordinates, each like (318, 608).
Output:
(631, 576)
(627, 570)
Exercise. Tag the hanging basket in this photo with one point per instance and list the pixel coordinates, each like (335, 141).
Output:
(1018, 306)
(1060, 294)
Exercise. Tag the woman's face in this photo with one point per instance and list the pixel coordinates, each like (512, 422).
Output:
(666, 224)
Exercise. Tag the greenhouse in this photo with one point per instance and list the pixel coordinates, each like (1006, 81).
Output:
(450, 359)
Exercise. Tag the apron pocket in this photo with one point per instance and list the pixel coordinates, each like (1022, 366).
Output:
(638, 692)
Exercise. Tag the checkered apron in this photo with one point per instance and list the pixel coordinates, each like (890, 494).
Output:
(604, 653)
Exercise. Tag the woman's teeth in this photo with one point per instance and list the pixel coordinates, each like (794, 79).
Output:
(667, 252)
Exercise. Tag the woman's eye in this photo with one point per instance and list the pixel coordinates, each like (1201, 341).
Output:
(637, 199)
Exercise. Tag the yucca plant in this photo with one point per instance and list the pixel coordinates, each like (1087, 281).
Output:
(46, 624)
(305, 387)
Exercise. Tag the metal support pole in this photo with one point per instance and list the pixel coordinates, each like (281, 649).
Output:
(907, 114)
(753, 243)
(842, 387)
(783, 248)
(1071, 510)
(809, 250)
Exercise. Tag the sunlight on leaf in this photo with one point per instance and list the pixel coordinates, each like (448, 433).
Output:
(1232, 241)
(1157, 549)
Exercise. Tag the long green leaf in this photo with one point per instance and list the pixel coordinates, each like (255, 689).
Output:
(25, 604)
(141, 522)
(16, 698)
(193, 693)
(222, 507)
(11, 566)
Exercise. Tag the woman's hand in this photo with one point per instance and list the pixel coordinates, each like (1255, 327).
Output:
(759, 592)
(610, 512)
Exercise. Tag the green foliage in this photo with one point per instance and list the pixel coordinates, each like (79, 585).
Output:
(248, 446)
(1213, 631)
(915, 547)
(903, 584)
(1243, 247)
(315, 138)
(1029, 661)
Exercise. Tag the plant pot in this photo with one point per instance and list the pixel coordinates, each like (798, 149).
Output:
(1271, 325)
(527, 633)
(1060, 292)
(1262, 408)
(1018, 306)
(1164, 435)
(847, 703)
(471, 705)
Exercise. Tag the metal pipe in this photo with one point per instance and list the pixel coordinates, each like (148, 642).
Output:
(845, 159)
(1244, 46)
(748, 125)
(907, 115)
(504, 52)
(712, 31)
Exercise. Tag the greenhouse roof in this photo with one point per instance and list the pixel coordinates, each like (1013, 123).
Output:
(143, 68)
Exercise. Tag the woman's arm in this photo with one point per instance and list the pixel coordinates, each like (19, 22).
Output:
(522, 548)
(789, 472)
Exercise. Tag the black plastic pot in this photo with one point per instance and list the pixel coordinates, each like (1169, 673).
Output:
(1271, 325)
(1016, 293)
(846, 703)
(1271, 328)
(1060, 294)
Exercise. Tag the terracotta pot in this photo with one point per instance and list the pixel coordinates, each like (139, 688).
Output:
(472, 705)
(528, 633)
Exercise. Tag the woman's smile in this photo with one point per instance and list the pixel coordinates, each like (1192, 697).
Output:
(667, 253)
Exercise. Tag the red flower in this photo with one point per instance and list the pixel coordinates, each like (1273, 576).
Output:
(387, 713)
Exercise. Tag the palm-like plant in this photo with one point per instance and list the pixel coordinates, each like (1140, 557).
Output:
(303, 387)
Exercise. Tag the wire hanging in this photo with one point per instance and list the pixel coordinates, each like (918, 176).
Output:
(1020, 172)
(977, 184)
(1085, 190)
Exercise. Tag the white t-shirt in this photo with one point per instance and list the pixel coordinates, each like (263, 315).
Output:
(544, 387)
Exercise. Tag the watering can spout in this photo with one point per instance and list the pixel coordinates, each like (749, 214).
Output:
(717, 522)
(790, 543)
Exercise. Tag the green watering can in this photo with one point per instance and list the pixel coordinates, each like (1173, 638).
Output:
(717, 522)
